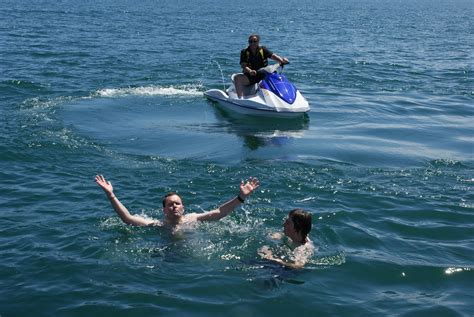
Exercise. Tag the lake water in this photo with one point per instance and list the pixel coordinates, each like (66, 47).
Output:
(384, 160)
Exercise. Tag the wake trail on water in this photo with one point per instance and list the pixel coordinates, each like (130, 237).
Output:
(190, 90)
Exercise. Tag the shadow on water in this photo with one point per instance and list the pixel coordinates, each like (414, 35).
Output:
(269, 275)
(259, 131)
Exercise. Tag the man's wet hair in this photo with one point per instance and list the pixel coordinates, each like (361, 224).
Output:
(254, 35)
(168, 195)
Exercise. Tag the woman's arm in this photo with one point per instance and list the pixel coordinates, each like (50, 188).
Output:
(298, 262)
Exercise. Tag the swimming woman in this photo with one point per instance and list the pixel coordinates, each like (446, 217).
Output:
(295, 231)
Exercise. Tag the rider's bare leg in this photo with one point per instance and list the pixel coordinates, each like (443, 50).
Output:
(240, 81)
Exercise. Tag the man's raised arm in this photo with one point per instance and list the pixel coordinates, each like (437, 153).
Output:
(246, 188)
(120, 209)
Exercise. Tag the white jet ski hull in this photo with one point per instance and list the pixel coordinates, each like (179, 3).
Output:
(257, 106)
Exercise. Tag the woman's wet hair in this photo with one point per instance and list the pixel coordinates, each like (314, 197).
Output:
(302, 221)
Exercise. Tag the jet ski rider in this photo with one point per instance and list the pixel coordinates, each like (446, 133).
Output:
(252, 59)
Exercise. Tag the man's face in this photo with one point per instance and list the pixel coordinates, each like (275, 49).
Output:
(253, 42)
(173, 206)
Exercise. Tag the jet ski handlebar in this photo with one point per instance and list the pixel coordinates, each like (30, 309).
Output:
(273, 68)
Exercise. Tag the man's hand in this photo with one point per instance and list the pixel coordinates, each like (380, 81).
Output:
(105, 185)
(248, 187)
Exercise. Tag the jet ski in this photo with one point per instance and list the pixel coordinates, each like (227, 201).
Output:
(273, 96)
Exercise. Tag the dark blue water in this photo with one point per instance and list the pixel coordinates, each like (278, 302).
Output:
(384, 160)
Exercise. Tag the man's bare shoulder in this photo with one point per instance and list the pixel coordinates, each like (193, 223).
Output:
(191, 217)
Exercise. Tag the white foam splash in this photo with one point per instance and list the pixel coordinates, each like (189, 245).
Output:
(183, 90)
(451, 270)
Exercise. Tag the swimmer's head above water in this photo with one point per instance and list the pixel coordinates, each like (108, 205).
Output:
(173, 206)
(298, 225)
